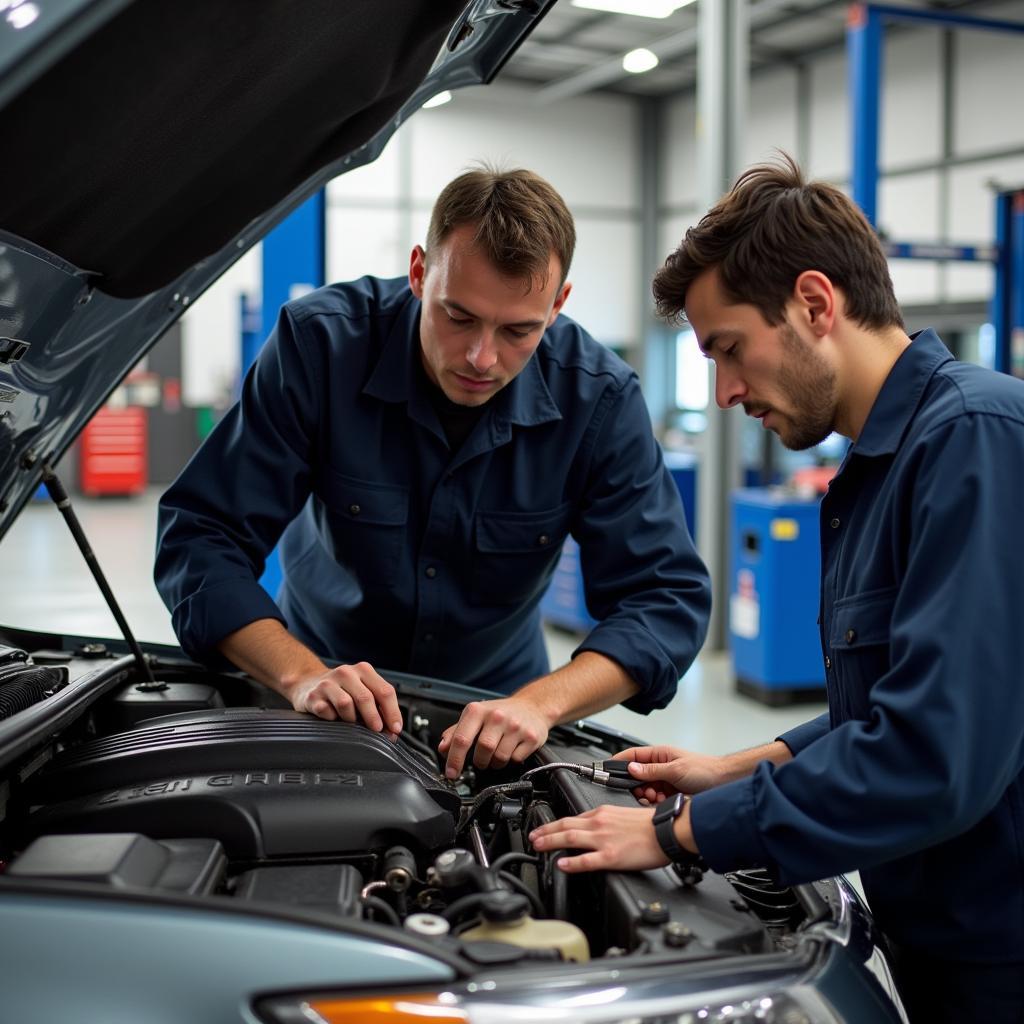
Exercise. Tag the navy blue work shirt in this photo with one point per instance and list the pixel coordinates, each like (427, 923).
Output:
(916, 774)
(397, 550)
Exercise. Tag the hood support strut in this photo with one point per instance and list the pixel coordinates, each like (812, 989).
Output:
(60, 498)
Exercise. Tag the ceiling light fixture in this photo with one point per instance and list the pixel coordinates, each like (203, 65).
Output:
(438, 101)
(638, 61)
(639, 8)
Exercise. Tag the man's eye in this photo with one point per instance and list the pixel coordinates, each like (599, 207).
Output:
(517, 334)
(459, 320)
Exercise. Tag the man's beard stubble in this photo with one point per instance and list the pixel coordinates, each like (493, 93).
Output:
(809, 383)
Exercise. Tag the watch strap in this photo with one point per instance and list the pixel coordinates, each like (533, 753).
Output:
(664, 831)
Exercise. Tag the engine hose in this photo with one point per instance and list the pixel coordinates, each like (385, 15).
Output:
(22, 686)
(489, 793)
(377, 904)
(556, 884)
(521, 887)
(464, 903)
(513, 857)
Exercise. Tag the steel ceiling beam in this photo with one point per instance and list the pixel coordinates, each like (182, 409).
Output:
(679, 44)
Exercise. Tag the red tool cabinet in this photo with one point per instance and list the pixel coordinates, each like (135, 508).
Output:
(113, 457)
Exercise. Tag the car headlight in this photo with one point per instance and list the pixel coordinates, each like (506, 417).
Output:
(609, 1005)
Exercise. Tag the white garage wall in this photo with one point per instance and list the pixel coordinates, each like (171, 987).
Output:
(678, 171)
(911, 127)
(772, 116)
(211, 335)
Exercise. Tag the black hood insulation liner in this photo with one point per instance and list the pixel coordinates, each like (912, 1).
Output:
(179, 144)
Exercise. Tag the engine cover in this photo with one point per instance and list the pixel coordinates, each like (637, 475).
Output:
(266, 783)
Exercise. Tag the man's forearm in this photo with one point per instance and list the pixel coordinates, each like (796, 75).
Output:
(743, 762)
(588, 684)
(271, 655)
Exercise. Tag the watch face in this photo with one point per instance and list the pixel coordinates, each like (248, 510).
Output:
(669, 809)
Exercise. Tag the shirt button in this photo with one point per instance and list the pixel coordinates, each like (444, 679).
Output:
(431, 572)
(428, 638)
(851, 635)
(543, 540)
(354, 509)
(828, 662)
(834, 524)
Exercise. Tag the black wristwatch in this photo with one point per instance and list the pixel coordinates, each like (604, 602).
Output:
(689, 866)
(664, 820)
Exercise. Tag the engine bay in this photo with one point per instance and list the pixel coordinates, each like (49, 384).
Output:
(197, 787)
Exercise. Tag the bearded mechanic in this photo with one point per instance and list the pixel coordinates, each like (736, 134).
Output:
(421, 448)
(916, 774)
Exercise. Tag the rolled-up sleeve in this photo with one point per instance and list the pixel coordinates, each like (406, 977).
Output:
(643, 579)
(225, 512)
(804, 735)
(943, 737)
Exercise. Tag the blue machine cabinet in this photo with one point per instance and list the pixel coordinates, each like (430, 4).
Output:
(773, 598)
(564, 604)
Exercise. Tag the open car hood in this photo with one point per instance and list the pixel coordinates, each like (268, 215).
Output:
(149, 144)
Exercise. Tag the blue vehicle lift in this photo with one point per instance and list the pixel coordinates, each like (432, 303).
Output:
(865, 38)
(294, 262)
(1008, 299)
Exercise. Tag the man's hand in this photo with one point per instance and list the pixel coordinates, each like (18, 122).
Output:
(512, 728)
(352, 693)
(619, 838)
(508, 729)
(664, 771)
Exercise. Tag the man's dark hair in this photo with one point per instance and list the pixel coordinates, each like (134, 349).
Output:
(520, 220)
(767, 230)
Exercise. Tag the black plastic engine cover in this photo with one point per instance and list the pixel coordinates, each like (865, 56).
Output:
(266, 783)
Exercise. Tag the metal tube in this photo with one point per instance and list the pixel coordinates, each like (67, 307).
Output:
(479, 847)
(60, 498)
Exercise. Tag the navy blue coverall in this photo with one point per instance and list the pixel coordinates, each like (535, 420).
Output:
(916, 774)
(397, 550)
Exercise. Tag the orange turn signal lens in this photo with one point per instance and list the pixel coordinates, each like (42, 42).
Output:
(428, 1008)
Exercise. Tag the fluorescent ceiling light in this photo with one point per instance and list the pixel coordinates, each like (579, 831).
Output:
(639, 61)
(640, 8)
(438, 101)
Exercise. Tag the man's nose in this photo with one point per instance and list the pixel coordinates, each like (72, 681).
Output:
(729, 389)
(483, 353)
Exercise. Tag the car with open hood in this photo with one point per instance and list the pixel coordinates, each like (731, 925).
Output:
(175, 847)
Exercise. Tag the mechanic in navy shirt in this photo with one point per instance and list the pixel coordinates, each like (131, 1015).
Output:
(916, 774)
(422, 448)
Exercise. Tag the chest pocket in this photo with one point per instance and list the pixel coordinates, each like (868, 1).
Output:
(514, 553)
(859, 649)
(366, 527)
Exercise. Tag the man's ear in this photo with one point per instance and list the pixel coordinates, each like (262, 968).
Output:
(563, 294)
(417, 270)
(814, 296)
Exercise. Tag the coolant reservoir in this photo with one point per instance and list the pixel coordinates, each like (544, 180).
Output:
(500, 925)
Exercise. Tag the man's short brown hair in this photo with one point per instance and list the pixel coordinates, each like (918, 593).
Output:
(766, 231)
(520, 220)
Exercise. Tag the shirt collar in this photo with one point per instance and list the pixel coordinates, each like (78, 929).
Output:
(393, 379)
(525, 402)
(901, 393)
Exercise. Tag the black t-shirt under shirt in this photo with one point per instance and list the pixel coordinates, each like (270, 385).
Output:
(457, 421)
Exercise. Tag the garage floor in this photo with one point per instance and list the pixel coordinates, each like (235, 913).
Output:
(47, 586)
